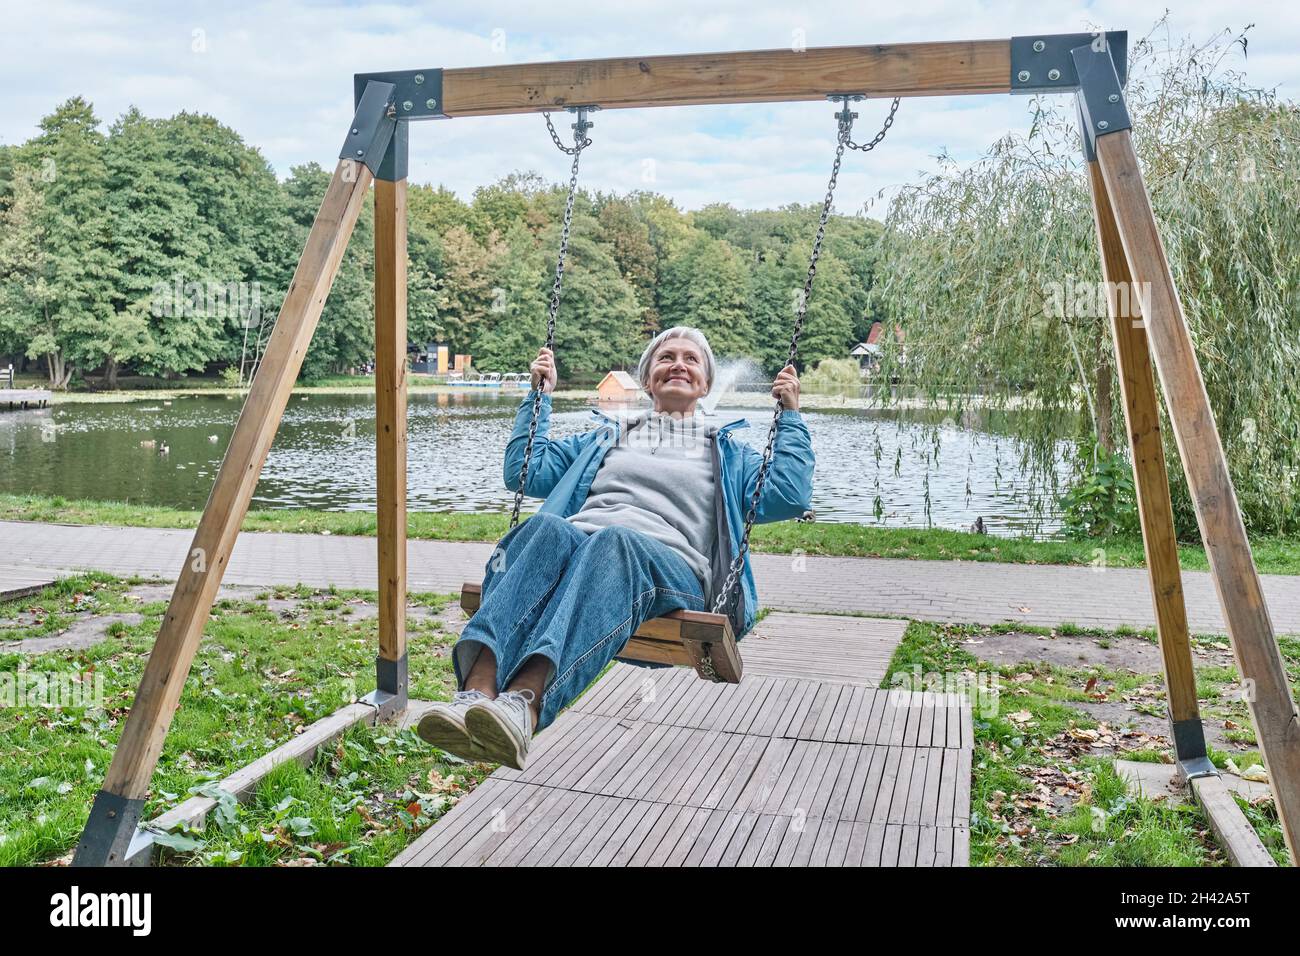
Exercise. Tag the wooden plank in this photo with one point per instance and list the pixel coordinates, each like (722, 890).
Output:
(711, 845)
(533, 823)
(736, 844)
(883, 807)
(1230, 825)
(924, 798)
(925, 849)
(960, 847)
(744, 761)
(947, 789)
(839, 846)
(629, 820)
(782, 829)
(503, 813)
(1259, 660)
(806, 845)
(758, 838)
(390, 414)
(898, 802)
(908, 845)
(243, 782)
(857, 844)
(624, 854)
(676, 638)
(755, 76)
(694, 829)
(562, 826)
(673, 781)
(706, 770)
(582, 851)
(893, 838)
(873, 852)
(1146, 446)
(461, 818)
(664, 828)
(200, 576)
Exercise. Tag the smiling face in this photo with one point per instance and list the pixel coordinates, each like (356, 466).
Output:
(678, 376)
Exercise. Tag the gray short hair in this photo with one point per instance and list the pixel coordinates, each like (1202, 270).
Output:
(676, 332)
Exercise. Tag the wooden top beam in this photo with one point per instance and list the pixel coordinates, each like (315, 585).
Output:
(758, 76)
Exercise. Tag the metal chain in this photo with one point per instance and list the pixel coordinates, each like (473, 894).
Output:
(580, 142)
(844, 120)
(875, 141)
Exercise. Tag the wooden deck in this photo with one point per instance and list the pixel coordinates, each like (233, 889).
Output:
(23, 397)
(805, 762)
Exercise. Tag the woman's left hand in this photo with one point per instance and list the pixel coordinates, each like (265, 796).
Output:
(785, 389)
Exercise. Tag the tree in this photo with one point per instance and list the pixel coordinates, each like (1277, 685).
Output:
(992, 270)
(628, 237)
(156, 247)
(60, 295)
(345, 336)
(706, 285)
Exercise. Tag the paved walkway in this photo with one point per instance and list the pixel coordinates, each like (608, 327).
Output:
(975, 592)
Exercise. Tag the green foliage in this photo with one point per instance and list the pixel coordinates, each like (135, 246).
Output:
(98, 263)
(991, 269)
(1101, 502)
(833, 375)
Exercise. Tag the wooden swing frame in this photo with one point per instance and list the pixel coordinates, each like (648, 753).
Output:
(1091, 66)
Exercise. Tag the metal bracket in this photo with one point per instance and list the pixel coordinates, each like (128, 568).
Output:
(1100, 97)
(846, 114)
(1043, 64)
(389, 698)
(582, 124)
(1189, 749)
(112, 833)
(372, 127)
(417, 93)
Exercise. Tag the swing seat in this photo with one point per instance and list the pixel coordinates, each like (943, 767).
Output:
(680, 638)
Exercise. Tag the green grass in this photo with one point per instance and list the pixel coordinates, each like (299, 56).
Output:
(1272, 555)
(261, 675)
(1037, 798)
(258, 678)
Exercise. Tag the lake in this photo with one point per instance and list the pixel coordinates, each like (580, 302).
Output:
(323, 457)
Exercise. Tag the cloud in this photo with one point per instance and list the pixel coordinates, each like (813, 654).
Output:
(280, 74)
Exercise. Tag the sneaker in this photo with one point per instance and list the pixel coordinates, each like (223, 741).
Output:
(444, 726)
(503, 727)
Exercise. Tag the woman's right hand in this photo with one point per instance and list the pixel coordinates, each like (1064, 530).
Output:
(543, 370)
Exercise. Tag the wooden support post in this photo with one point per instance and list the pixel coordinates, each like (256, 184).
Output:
(390, 439)
(1150, 479)
(1259, 661)
(200, 577)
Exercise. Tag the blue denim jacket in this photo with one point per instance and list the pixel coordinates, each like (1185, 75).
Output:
(562, 470)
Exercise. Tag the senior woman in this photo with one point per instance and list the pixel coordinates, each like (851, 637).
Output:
(641, 518)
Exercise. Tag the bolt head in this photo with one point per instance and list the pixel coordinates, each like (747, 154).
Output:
(1102, 124)
(355, 131)
(407, 105)
(1039, 46)
(431, 103)
(419, 78)
(361, 152)
(1114, 98)
(1023, 76)
(1053, 74)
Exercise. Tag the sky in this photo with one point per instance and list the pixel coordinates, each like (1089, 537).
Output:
(280, 73)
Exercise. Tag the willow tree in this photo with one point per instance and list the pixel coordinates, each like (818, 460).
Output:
(992, 271)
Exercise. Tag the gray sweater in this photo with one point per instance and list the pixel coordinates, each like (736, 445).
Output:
(658, 480)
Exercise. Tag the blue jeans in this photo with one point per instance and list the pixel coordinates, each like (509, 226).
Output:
(574, 598)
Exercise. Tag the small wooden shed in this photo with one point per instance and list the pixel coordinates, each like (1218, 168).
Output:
(618, 386)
